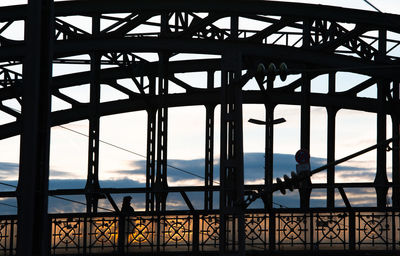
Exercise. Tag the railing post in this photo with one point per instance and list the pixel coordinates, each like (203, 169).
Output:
(394, 229)
(12, 237)
(50, 233)
(158, 238)
(272, 228)
(121, 234)
(196, 229)
(85, 234)
(314, 247)
(352, 230)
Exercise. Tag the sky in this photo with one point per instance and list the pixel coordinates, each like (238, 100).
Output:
(119, 168)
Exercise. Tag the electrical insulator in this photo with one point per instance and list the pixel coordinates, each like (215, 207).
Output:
(290, 183)
(260, 74)
(271, 72)
(283, 71)
(287, 180)
(294, 177)
(281, 186)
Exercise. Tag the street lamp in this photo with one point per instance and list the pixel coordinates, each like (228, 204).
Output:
(267, 198)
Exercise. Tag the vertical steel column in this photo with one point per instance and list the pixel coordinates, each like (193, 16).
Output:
(92, 183)
(162, 136)
(305, 192)
(381, 181)
(224, 190)
(151, 150)
(162, 123)
(396, 145)
(209, 151)
(269, 147)
(162, 127)
(331, 111)
(33, 236)
(231, 159)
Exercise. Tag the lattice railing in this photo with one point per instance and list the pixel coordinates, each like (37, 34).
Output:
(8, 235)
(282, 230)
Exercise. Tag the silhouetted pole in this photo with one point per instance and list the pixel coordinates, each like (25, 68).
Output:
(381, 181)
(396, 145)
(32, 192)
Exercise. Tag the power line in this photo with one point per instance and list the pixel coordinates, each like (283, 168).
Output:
(58, 197)
(78, 202)
(372, 5)
(135, 153)
(141, 155)
(9, 205)
(8, 185)
(129, 151)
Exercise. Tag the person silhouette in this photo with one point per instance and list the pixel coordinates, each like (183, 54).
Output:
(127, 209)
(125, 223)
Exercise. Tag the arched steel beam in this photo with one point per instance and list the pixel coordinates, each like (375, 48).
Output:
(143, 69)
(283, 53)
(147, 69)
(86, 7)
(10, 13)
(198, 99)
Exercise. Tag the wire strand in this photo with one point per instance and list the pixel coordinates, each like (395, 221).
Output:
(137, 154)
(373, 6)
(8, 185)
(78, 202)
(58, 197)
(141, 155)
(129, 151)
(9, 205)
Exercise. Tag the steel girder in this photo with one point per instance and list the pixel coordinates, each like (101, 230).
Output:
(312, 40)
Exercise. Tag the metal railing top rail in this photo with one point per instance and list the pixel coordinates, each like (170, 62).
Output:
(217, 212)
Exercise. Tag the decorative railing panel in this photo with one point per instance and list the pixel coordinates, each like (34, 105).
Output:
(209, 232)
(331, 231)
(176, 233)
(8, 236)
(84, 235)
(141, 233)
(374, 231)
(102, 234)
(81, 234)
(257, 231)
(67, 235)
(293, 231)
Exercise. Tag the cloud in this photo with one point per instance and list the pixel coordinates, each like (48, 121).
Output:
(136, 175)
(60, 174)
(185, 182)
(8, 170)
(5, 166)
(179, 175)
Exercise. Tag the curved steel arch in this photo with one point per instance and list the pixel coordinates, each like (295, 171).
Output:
(312, 40)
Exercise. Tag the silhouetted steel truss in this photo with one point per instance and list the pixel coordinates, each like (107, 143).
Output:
(312, 40)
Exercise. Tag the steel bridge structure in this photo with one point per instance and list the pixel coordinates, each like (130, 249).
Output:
(312, 40)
